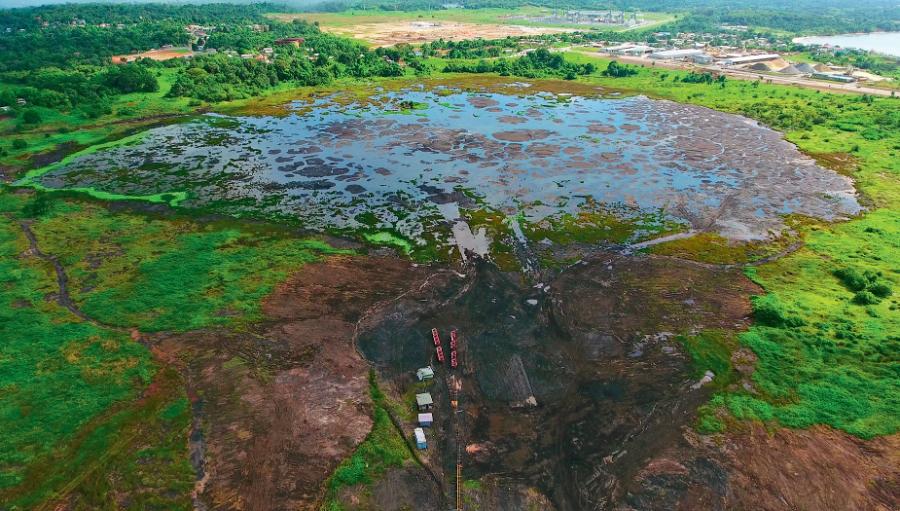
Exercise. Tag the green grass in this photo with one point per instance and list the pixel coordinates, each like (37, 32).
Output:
(56, 371)
(389, 239)
(596, 223)
(711, 350)
(69, 390)
(154, 274)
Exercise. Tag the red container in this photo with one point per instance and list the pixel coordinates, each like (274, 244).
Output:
(440, 354)
(434, 335)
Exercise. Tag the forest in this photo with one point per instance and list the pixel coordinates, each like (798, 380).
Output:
(70, 67)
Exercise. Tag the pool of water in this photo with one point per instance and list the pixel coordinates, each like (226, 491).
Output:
(409, 160)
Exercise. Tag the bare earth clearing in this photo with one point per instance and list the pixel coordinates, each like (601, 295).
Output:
(160, 55)
(417, 32)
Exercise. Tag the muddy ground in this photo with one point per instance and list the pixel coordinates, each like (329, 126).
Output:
(575, 395)
(280, 405)
(569, 386)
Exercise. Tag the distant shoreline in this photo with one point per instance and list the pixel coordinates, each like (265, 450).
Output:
(888, 48)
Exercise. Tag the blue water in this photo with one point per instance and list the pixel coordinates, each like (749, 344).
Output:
(887, 43)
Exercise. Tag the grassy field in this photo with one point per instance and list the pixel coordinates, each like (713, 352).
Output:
(168, 274)
(56, 371)
(85, 402)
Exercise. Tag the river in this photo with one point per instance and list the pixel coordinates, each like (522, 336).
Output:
(887, 43)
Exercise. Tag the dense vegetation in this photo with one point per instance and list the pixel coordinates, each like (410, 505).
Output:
(539, 63)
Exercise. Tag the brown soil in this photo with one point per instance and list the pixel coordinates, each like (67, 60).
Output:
(281, 405)
(572, 390)
(819, 468)
(498, 494)
(399, 489)
(760, 470)
(390, 33)
(159, 55)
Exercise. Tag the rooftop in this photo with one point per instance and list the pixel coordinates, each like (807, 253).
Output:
(424, 399)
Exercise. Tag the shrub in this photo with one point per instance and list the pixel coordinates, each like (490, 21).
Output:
(19, 144)
(36, 207)
(769, 310)
(881, 290)
(616, 70)
(865, 298)
(852, 278)
(31, 117)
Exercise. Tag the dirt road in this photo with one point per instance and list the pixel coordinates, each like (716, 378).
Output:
(738, 74)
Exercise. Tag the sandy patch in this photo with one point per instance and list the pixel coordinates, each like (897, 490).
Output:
(166, 54)
(416, 32)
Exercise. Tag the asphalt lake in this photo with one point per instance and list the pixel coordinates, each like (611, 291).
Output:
(407, 161)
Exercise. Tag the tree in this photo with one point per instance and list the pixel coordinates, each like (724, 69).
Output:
(31, 117)
(616, 70)
(129, 78)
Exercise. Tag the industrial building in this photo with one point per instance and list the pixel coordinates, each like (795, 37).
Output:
(676, 54)
(750, 59)
(634, 50)
(834, 77)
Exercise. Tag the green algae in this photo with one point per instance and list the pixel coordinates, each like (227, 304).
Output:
(390, 239)
(30, 179)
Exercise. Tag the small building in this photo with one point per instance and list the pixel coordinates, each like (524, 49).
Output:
(424, 402)
(290, 41)
(703, 59)
(425, 373)
(421, 442)
(21, 101)
(426, 420)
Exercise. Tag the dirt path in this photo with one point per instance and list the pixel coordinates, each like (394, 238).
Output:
(63, 297)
